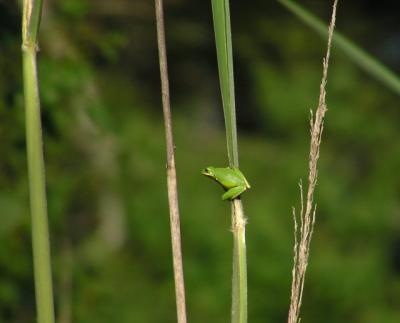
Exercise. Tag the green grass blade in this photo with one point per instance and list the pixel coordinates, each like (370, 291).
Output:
(364, 60)
(223, 40)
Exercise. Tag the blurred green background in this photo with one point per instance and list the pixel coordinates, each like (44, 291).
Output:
(105, 158)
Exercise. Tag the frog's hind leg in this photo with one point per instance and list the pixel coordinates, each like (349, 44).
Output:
(232, 193)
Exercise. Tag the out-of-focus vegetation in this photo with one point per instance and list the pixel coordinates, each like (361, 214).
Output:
(105, 157)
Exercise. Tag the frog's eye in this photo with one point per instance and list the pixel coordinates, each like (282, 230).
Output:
(206, 171)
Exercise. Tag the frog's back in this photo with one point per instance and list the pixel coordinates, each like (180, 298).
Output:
(230, 177)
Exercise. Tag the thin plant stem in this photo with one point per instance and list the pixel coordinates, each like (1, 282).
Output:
(37, 187)
(223, 40)
(302, 239)
(171, 171)
(367, 62)
(239, 276)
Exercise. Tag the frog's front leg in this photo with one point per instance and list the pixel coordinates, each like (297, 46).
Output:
(233, 193)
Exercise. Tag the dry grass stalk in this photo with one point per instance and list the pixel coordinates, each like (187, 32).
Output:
(171, 170)
(303, 236)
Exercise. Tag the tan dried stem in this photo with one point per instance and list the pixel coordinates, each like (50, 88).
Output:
(171, 171)
(302, 237)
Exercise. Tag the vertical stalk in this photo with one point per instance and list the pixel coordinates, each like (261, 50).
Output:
(171, 170)
(302, 239)
(223, 40)
(239, 276)
(37, 187)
